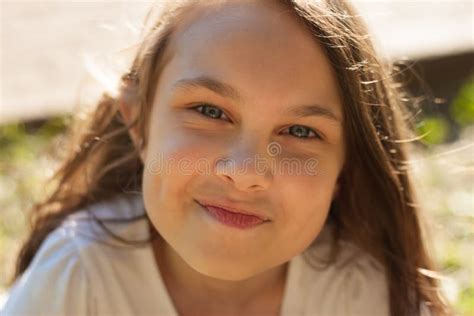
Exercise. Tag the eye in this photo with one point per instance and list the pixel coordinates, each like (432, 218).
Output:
(210, 111)
(303, 132)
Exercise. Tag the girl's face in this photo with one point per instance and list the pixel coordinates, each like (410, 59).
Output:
(271, 96)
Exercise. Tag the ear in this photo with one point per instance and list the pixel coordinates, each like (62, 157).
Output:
(130, 112)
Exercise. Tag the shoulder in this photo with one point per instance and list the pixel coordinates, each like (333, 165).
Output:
(121, 216)
(364, 283)
(55, 282)
(354, 284)
(70, 258)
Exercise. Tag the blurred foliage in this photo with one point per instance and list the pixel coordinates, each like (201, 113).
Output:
(20, 141)
(466, 301)
(462, 108)
(433, 130)
(451, 260)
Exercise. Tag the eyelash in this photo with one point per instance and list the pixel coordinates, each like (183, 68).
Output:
(316, 137)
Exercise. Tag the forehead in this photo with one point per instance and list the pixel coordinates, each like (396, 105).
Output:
(253, 45)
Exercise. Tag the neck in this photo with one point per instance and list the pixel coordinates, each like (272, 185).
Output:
(193, 291)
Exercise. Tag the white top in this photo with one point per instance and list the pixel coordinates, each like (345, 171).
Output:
(76, 273)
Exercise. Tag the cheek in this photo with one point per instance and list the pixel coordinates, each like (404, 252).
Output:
(172, 161)
(165, 185)
(181, 155)
(169, 161)
(305, 201)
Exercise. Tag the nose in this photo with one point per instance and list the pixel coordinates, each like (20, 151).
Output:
(247, 167)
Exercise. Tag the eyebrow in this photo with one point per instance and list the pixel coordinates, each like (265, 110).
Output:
(212, 84)
(226, 90)
(312, 110)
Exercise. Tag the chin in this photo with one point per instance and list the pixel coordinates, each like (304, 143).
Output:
(225, 272)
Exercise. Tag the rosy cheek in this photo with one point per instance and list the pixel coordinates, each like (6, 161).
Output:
(182, 156)
(316, 178)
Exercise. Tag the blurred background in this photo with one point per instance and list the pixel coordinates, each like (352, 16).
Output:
(58, 56)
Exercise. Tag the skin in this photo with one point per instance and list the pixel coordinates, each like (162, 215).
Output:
(274, 63)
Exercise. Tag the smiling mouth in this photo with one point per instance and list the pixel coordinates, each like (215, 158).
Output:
(233, 208)
(233, 219)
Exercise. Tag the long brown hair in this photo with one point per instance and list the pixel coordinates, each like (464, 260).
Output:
(375, 208)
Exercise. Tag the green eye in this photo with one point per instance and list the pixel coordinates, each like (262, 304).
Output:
(210, 111)
(303, 132)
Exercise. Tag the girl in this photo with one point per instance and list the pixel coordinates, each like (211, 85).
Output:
(177, 198)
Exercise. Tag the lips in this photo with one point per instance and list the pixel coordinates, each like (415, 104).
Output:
(233, 209)
(237, 220)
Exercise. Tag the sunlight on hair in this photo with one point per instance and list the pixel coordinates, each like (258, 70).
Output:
(106, 77)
